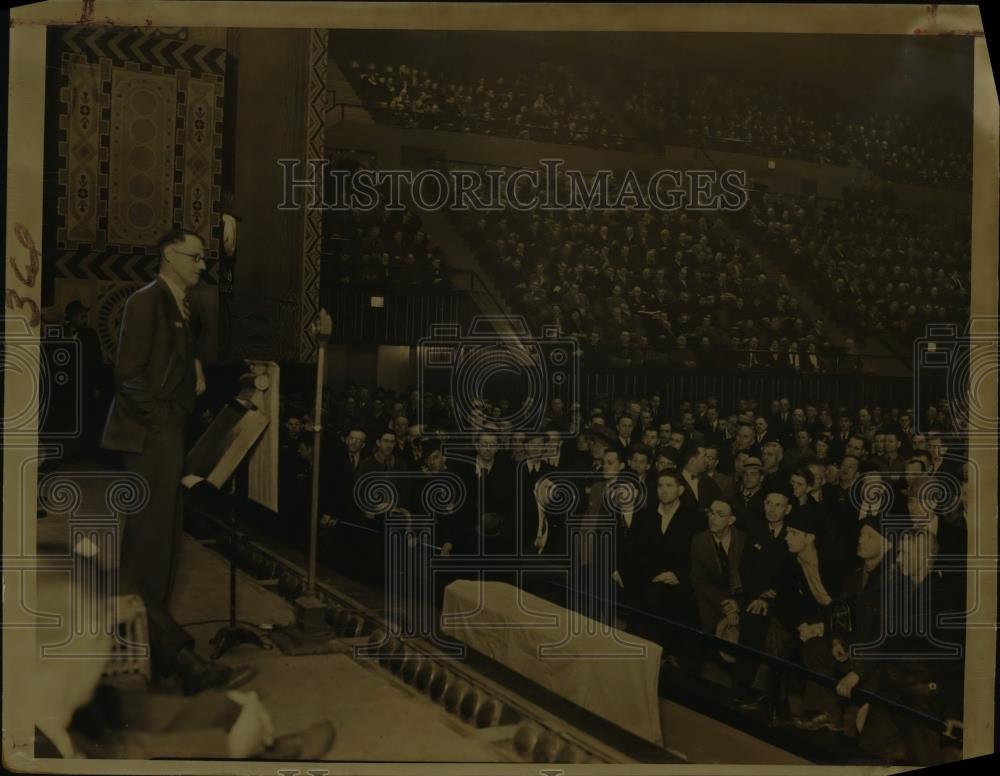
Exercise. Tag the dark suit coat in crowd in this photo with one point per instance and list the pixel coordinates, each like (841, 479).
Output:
(492, 493)
(670, 551)
(708, 491)
(711, 433)
(711, 586)
(766, 563)
(748, 511)
(862, 593)
(394, 473)
(337, 483)
(843, 516)
(629, 538)
(725, 483)
(796, 603)
(453, 523)
(929, 625)
(776, 481)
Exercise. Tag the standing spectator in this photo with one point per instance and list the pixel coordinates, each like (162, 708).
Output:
(669, 526)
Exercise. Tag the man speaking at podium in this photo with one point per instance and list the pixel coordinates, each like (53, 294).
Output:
(158, 376)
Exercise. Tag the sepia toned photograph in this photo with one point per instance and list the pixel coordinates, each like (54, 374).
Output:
(540, 389)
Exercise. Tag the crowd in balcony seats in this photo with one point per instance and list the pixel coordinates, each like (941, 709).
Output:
(883, 269)
(545, 102)
(776, 527)
(625, 107)
(380, 246)
(798, 121)
(636, 289)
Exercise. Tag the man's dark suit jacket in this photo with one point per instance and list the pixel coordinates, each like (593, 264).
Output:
(796, 602)
(863, 594)
(453, 523)
(154, 372)
(838, 445)
(670, 551)
(708, 491)
(154, 396)
(725, 483)
(395, 474)
(716, 434)
(711, 587)
(629, 539)
(749, 511)
(766, 563)
(496, 490)
(339, 476)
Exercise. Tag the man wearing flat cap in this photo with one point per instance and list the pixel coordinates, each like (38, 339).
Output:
(805, 604)
(857, 620)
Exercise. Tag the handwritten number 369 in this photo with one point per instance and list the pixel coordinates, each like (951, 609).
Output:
(14, 300)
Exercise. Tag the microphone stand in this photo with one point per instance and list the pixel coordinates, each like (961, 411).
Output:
(310, 634)
(322, 328)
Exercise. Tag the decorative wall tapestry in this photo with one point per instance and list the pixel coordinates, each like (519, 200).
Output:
(139, 151)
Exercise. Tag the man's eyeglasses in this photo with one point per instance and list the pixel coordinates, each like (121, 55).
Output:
(196, 256)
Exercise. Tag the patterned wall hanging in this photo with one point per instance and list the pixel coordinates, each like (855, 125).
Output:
(139, 151)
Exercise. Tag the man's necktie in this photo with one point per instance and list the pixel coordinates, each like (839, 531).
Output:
(186, 308)
(723, 558)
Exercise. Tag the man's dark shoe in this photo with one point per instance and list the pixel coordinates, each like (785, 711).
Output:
(309, 744)
(753, 702)
(198, 674)
(823, 721)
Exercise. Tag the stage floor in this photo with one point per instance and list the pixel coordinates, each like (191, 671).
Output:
(377, 717)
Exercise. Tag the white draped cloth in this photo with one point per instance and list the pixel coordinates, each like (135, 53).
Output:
(606, 671)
